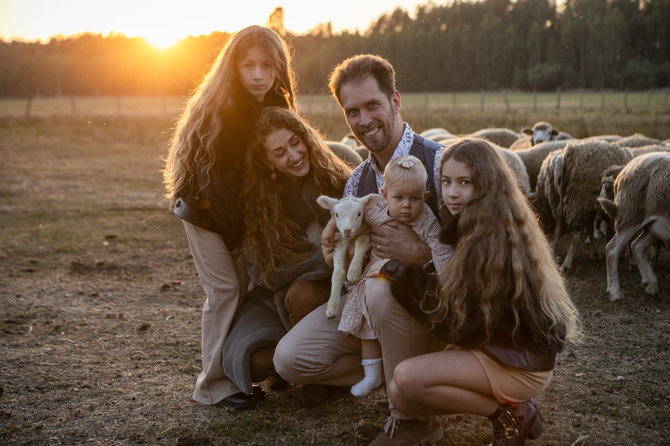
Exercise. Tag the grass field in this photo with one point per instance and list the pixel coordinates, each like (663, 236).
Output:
(100, 306)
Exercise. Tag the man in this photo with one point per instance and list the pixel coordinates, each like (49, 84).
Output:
(314, 351)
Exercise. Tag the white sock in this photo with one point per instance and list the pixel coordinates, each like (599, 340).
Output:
(372, 379)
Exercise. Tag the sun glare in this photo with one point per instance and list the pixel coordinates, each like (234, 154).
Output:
(161, 39)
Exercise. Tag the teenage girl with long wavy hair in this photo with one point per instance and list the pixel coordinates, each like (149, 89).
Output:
(502, 308)
(203, 178)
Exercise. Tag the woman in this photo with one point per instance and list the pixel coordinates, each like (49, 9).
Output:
(503, 307)
(203, 177)
(288, 167)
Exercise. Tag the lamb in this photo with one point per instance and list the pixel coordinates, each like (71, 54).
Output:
(348, 213)
(579, 183)
(502, 136)
(534, 157)
(641, 197)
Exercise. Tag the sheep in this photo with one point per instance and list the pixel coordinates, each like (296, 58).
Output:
(547, 197)
(583, 163)
(435, 134)
(641, 197)
(517, 166)
(532, 158)
(348, 213)
(637, 140)
(351, 141)
(502, 136)
(608, 138)
(641, 150)
(540, 132)
(345, 153)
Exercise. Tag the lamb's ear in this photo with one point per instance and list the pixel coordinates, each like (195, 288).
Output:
(527, 131)
(554, 132)
(326, 202)
(371, 199)
(608, 206)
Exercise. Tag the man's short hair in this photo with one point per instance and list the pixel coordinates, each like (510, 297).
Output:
(359, 67)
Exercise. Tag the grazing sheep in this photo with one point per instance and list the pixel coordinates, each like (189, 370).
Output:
(583, 163)
(637, 140)
(608, 138)
(345, 153)
(348, 213)
(641, 197)
(534, 157)
(501, 136)
(435, 134)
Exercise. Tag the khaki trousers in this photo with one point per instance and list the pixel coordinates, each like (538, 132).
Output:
(220, 282)
(316, 352)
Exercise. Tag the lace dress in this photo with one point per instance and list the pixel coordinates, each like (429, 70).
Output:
(355, 318)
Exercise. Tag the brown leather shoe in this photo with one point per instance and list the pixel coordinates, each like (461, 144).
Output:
(241, 400)
(409, 432)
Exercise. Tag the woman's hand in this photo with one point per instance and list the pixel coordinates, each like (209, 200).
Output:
(329, 237)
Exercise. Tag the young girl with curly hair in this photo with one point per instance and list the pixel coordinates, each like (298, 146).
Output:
(203, 177)
(288, 167)
(503, 307)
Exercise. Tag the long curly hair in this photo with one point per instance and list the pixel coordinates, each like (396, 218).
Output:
(501, 258)
(271, 238)
(200, 125)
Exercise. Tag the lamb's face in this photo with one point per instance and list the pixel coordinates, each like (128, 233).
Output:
(348, 214)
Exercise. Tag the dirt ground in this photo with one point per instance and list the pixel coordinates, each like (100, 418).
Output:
(100, 318)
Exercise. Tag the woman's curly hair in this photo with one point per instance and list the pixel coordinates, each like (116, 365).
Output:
(271, 239)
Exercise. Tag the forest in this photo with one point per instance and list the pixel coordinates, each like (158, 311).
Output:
(528, 45)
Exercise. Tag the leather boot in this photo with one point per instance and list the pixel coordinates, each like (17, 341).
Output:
(514, 422)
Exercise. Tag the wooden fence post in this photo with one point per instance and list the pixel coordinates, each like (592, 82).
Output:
(667, 94)
(504, 93)
(73, 109)
(534, 99)
(29, 105)
(581, 98)
(602, 99)
(558, 98)
(453, 100)
(625, 99)
(481, 106)
(425, 102)
(651, 92)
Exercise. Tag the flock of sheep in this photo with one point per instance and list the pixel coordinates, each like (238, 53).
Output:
(607, 185)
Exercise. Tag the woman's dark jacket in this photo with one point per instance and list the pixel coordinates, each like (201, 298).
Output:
(262, 319)
(214, 202)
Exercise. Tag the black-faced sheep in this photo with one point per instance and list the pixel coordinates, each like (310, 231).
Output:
(502, 136)
(580, 183)
(640, 206)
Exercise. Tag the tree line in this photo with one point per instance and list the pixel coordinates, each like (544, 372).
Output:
(489, 44)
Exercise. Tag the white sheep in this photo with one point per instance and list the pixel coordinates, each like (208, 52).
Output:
(435, 133)
(534, 157)
(345, 152)
(641, 197)
(637, 140)
(348, 213)
(540, 132)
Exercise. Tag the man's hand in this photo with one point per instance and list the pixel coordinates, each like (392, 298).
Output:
(329, 237)
(395, 240)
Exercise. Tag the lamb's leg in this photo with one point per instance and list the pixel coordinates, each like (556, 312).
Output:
(618, 242)
(356, 265)
(333, 307)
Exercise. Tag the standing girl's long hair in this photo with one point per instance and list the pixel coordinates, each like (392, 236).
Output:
(271, 238)
(201, 124)
(501, 257)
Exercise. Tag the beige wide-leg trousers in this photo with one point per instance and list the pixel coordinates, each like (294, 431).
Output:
(220, 282)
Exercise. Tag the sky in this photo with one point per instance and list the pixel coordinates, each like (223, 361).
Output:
(164, 22)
